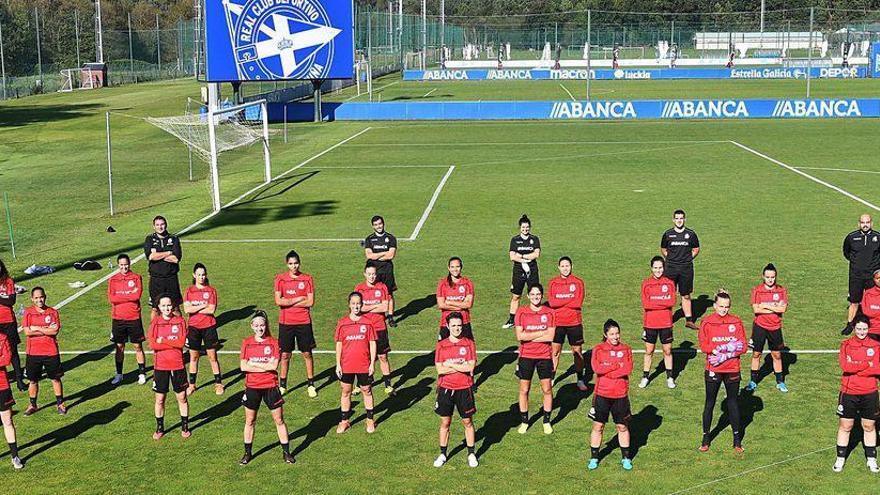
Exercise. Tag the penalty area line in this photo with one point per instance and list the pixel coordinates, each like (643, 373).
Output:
(431, 203)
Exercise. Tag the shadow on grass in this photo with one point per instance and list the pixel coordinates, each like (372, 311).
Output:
(19, 115)
(681, 355)
(766, 369)
(403, 399)
(496, 427)
(567, 399)
(233, 315)
(415, 307)
(749, 404)
(88, 357)
(412, 369)
(493, 363)
(699, 306)
(318, 428)
(641, 426)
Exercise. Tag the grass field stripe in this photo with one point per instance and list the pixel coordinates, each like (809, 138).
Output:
(76, 295)
(429, 93)
(425, 351)
(839, 170)
(567, 91)
(749, 471)
(808, 176)
(430, 206)
(380, 88)
(246, 241)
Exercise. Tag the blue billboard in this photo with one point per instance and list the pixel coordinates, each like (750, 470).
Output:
(633, 74)
(874, 61)
(271, 40)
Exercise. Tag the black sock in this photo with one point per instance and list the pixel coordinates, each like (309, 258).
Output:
(871, 452)
(706, 440)
(218, 378)
(369, 414)
(778, 377)
(690, 318)
(756, 375)
(192, 378)
(471, 449)
(646, 374)
(142, 368)
(443, 450)
(285, 447)
(523, 416)
(118, 367)
(248, 448)
(546, 415)
(184, 423)
(594, 452)
(737, 439)
(668, 373)
(311, 382)
(624, 452)
(283, 383)
(386, 379)
(510, 318)
(841, 450)
(160, 424)
(33, 401)
(13, 449)
(346, 415)
(59, 399)
(580, 375)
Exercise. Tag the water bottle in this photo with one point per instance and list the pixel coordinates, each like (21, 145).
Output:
(21, 310)
(109, 264)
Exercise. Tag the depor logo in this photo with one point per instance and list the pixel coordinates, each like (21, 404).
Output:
(280, 39)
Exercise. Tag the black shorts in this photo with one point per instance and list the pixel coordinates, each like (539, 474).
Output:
(165, 286)
(383, 345)
(363, 379)
(858, 282)
(460, 400)
(865, 406)
(520, 279)
(198, 339)
(466, 331)
(35, 365)
(525, 368)
(385, 274)
(650, 335)
(269, 396)
(6, 400)
(11, 331)
(176, 378)
(715, 377)
(574, 333)
(683, 276)
(618, 408)
(773, 338)
(122, 331)
(292, 337)
(875, 336)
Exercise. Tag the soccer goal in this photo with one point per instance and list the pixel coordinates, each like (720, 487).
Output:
(210, 132)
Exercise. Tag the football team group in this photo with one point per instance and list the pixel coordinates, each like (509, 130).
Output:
(183, 327)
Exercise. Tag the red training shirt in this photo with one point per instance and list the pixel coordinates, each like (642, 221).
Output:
(658, 299)
(566, 296)
(459, 353)
(716, 330)
(871, 308)
(375, 294)
(44, 345)
(168, 356)
(124, 293)
(5, 360)
(860, 362)
(612, 364)
(201, 298)
(457, 293)
(355, 337)
(260, 352)
(534, 321)
(290, 287)
(775, 295)
(7, 289)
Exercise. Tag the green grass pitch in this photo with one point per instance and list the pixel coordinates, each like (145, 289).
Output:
(600, 192)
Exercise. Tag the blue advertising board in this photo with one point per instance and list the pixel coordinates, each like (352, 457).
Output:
(874, 61)
(587, 110)
(272, 40)
(633, 74)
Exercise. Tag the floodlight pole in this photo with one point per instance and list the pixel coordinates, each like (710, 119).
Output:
(443, 34)
(76, 33)
(99, 34)
(2, 64)
(158, 45)
(264, 109)
(130, 49)
(762, 23)
(109, 164)
(400, 30)
(589, 49)
(424, 34)
(39, 54)
(810, 53)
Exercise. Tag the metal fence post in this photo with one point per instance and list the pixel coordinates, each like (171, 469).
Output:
(76, 32)
(2, 64)
(810, 53)
(130, 51)
(158, 46)
(39, 54)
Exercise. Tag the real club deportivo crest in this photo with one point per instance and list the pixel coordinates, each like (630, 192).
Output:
(280, 39)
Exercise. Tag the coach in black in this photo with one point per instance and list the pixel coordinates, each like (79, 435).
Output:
(680, 245)
(862, 249)
(164, 254)
(380, 248)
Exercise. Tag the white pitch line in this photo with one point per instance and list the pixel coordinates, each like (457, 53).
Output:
(76, 295)
(532, 143)
(567, 91)
(430, 206)
(425, 351)
(380, 88)
(808, 176)
(839, 170)
(749, 471)
(227, 241)
(375, 166)
(429, 93)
